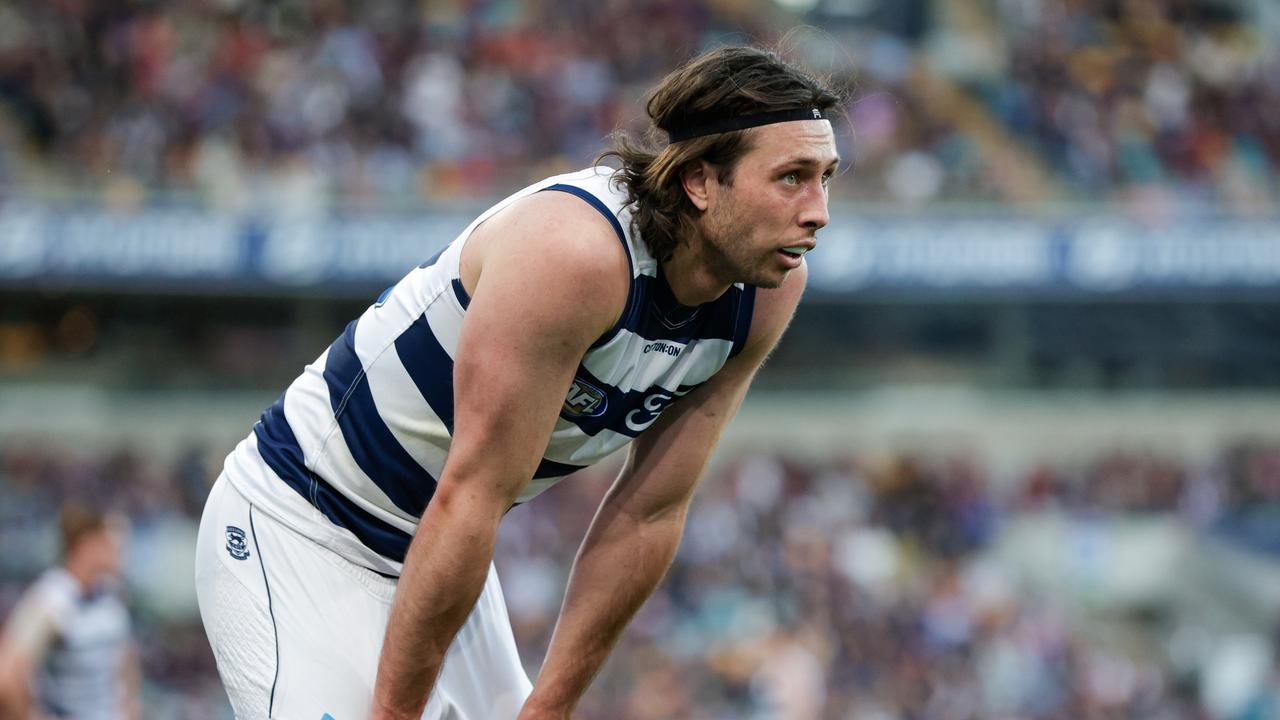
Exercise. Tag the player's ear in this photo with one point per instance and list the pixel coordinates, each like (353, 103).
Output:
(695, 177)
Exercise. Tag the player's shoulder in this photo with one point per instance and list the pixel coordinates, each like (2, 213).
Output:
(561, 235)
(55, 593)
(567, 223)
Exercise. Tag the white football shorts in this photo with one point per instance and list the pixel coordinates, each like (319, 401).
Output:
(297, 629)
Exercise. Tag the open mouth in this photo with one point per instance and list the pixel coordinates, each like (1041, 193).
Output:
(791, 258)
(793, 254)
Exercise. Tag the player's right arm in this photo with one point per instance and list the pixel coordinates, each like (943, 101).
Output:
(550, 277)
(27, 635)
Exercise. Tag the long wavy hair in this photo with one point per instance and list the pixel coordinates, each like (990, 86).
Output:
(723, 83)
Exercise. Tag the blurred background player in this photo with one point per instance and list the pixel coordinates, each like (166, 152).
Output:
(67, 650)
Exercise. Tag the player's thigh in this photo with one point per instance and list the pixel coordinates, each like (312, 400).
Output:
(296, 630)
(234, 602)
(331, 671)
(330, 617)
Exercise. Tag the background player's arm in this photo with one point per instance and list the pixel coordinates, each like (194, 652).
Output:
(552, 278)
(131, 681)
(634, 535)
(25, 639)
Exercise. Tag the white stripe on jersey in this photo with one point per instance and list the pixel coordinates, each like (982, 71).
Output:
(408, 416)
(330, 457)
(697, 362)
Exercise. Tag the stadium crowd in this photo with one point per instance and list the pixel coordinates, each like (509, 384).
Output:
(833, 589)
(300, 106)
(1155, 97)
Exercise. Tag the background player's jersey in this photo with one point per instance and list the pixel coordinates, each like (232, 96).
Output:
(362, 435)
(81, 641)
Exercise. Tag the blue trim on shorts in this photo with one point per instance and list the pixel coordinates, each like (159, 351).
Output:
(275, 632)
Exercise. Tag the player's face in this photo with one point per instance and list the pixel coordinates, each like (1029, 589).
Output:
(759, 228)
(108, 549)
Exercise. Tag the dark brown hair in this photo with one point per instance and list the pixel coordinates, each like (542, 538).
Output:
(724, 83)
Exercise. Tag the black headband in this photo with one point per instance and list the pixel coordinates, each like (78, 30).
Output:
(741, 123)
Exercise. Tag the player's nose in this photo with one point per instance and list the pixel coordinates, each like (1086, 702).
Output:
(813, 214)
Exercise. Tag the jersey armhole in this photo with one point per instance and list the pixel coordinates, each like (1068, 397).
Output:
(603, 209)
(742, 326)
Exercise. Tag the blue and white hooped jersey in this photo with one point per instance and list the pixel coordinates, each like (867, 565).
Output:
(350, 454)
(84, 642)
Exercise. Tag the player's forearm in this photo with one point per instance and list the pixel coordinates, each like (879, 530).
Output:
(621, 561)
(15, 699)
(131, 677)
(444, 573)
(15, 688)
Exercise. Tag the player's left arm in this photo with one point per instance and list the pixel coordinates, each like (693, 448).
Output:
(131, 681)
(635, 533)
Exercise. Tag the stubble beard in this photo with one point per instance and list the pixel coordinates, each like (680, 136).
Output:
(729, 251)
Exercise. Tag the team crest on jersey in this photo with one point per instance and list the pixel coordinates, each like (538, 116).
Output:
(584, 400)
(236, 543)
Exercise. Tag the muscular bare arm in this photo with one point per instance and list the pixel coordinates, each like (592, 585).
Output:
(550, 276)
(638, 527)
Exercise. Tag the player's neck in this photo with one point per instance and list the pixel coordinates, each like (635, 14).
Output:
(690, 275)
(82, 571)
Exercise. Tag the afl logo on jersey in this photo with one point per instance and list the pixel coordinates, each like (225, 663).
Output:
(236, 544)
(584, 400)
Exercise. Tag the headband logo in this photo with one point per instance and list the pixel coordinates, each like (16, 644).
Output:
(729, 124)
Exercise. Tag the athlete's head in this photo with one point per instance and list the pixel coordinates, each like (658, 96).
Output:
(739, 195)
(91, 541)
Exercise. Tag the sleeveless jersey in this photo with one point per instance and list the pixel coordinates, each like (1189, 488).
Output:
(350, 454)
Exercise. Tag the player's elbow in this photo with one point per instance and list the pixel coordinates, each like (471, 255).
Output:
(474, 496)
(654, 511)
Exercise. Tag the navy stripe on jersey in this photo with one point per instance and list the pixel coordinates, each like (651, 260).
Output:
(430, 368)
(373, 446)
(633, 304)
(746, 306)
(715, 321)
(460, 292)
(280, 450)
(432, 260)
(628, 413)
(551, 468)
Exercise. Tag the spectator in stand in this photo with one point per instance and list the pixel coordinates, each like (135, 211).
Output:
(303, 105)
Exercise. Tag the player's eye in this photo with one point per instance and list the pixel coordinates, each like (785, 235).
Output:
(791, 178)
(826, 178)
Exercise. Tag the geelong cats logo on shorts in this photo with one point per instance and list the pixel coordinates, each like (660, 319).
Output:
(236, 544)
